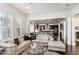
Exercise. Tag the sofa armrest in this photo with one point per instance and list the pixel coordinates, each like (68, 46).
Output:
(10, 48)
(7, 45)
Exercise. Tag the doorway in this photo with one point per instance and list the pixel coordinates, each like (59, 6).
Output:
(76, 32)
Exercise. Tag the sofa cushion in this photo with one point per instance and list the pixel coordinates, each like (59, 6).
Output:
(10, 41)
(56, 44)
(41, 41)
(23, 44)
(44, 41)
(36, 41)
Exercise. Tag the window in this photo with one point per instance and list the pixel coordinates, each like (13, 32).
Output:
(5, 23)
(18, 27)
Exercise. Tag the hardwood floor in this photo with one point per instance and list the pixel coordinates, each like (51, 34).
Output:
(70, 50)
(77, 50)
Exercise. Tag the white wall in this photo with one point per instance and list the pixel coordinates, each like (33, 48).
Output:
(8, 9)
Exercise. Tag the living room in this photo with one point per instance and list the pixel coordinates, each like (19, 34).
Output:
(26, 28)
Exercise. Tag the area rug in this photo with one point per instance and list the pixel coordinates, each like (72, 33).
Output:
(46, 53)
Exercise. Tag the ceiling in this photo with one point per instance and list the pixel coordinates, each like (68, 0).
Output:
(31, 8)
(47, 21)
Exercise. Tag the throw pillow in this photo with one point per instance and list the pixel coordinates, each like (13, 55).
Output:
(25, 38)
(16, 41)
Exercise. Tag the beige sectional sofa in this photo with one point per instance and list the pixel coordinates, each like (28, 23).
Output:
(13, 49)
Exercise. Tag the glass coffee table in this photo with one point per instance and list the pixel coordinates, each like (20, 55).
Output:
(36, 49)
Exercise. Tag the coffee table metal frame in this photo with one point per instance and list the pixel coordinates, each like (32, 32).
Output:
(39, 50)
